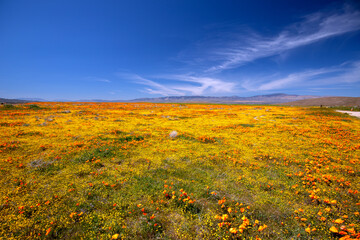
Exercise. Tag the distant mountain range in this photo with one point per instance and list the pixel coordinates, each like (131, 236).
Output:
(278, 98)
(33, 99)
(12, 101)
(259, 99)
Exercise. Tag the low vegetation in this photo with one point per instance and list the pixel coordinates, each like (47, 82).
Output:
(337, 102)
(178, 171)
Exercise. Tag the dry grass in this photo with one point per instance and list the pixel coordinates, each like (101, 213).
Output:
(327, 101)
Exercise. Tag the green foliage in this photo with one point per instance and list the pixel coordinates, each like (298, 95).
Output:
(247, 125)
(8, 107)
(129, 138)
(97, 153)
(34, 107)
(325, 112)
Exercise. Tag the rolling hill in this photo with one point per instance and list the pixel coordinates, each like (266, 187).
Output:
(259, 99)
(327, 101)
(13, 101)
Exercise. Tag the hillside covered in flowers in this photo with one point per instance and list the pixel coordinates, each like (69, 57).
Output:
(178, 171)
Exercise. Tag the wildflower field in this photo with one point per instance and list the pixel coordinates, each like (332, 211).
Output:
(178, 171)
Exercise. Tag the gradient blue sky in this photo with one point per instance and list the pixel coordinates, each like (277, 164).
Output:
(96, 49)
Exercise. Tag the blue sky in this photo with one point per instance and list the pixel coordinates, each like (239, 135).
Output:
(95, 49)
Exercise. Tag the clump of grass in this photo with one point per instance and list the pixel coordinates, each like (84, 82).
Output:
(97, 153)
(130, 138)
(325, 112)
(8, 107)
(118, 132)
(186, 136)
(247, 125)
(39, 163)
(34, 107)
(45, 167)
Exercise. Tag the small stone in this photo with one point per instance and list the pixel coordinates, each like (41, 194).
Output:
(173, 134)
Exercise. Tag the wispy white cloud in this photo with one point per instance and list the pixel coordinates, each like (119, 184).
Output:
(200, 85)
(347, 73)
(153, 87)
(237, 49)
(97, 79)
(180, 85)
(313, 28)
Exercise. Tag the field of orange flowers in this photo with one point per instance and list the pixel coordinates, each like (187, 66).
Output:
(178, 171)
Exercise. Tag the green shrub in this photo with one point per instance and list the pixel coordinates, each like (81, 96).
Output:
(8, 107)
(34, 107)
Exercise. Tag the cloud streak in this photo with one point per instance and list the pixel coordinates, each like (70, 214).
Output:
(97, 79)
(200, 85)
(315, 27)
(180, 85)
(342, 74)
(222, 53)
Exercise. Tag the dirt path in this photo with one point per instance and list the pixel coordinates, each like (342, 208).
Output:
(355, 114)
